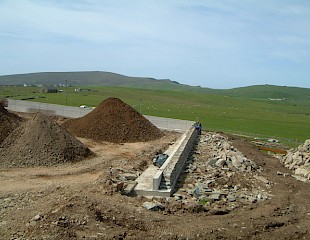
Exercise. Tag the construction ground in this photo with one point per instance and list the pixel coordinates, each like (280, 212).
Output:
(254, 198)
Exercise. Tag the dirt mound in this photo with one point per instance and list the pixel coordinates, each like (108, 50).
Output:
(8, 122)
(40, 141)
(114, 121)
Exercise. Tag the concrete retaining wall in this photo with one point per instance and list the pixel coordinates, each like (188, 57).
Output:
(157, 179)
(170, 171)
(173, 170)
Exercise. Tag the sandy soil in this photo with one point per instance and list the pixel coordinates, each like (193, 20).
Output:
(80, 201)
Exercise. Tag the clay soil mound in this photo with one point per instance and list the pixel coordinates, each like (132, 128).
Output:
(114, 121)
(8, 122)
(41, 141)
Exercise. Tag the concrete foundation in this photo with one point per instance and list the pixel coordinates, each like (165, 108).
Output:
(162, 181)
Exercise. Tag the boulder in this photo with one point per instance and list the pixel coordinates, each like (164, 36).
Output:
(235, 162)
(303, 171)
(220, 163)
(153, 206)
(298, 159)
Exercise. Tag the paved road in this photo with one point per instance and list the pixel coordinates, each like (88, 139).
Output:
(75, 112)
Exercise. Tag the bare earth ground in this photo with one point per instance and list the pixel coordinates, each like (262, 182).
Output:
(80, 201)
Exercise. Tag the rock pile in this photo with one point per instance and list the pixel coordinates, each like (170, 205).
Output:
(8, 122)
(219, 176)
(226, 155)
(40, 141)
(298, 160)
(114, 121)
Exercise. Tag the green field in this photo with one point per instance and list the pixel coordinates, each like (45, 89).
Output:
(286, 120)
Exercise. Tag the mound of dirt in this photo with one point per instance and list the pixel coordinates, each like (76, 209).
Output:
(41, 141)
(114, 121)
(8, 122)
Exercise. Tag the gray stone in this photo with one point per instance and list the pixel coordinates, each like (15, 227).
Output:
(130, 187)
(240, 157)
(252, 199)
(262, 179)
(212, 162)
(215, 196)
(299, 178)
(207, 190)
(254, 165)
(226, 145)
(302, 171)
(259, 197)
(237, 187)
(153, 206)
(128, 176)
(178, 197)
(33, 223)
(220, 163)
(231, 198)
(2, 223)
(243, 168)
(235, 162)
(36, 217)
(229, 174)
(197, 192)
(222, 155)
(229, 163)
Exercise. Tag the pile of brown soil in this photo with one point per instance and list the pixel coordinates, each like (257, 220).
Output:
(8, 122)
(114, 121)
(41, 141)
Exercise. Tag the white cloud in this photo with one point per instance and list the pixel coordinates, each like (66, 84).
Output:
(212, 41)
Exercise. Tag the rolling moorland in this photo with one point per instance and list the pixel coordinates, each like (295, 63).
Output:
(260, 111)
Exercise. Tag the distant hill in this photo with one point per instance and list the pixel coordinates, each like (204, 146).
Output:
(93, 78)
(99, 78)
(270, 93)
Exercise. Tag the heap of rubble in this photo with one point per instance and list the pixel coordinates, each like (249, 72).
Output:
(298, 160)
(226, 155)
(220, 178)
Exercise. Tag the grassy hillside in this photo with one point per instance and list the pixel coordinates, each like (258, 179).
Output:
(270, 93)
(95, 78)
(263, 118)
(98, 78)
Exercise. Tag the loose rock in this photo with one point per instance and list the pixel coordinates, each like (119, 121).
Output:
(298, 160)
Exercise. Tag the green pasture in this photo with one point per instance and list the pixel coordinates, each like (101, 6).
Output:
(286, 121)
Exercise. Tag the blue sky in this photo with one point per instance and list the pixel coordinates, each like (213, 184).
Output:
(217, 44)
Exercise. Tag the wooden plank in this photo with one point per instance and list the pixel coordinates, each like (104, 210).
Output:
(275, 150)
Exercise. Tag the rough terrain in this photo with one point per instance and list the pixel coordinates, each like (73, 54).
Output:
(9, 121)
(114, 121)
(40, 141)
(82, 201)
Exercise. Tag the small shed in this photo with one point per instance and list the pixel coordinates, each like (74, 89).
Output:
(48, 89)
